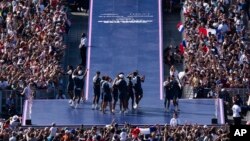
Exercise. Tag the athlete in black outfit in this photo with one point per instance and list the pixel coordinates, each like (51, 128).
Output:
(78, 78)
(97, 90)
(70, 86)
(174, 91)
(168, 98)
(115, 93)
(107, 98)
(122, 87)
(137, 80)
(130, 92)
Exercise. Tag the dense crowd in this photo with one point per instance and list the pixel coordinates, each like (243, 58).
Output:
(31, 42)
(11, 130)
(216, 37)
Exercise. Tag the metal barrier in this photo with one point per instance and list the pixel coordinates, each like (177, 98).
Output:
(239, 91)
(243, 92)
(19, 99)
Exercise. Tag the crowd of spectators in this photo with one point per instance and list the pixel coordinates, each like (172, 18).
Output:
(217, 52)
(31, 42)
(113, 132)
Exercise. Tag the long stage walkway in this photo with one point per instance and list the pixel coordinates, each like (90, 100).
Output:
(124, 36)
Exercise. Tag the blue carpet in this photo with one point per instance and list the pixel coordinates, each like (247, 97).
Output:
(44, 112)
(124, 36)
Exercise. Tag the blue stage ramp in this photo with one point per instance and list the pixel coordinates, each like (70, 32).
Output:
(124, 36)
(44, 112)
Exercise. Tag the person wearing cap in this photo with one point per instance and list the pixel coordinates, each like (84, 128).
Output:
(97, 90)
(78, 77)
(137, 80)
(122, 88)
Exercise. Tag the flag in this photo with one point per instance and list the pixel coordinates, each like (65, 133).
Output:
(206, 31)
(212, 31)
(181, 49)
(184, 43)
(147, 131)
(180, 27)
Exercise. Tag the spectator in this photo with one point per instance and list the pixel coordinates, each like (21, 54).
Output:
(31, 42)
(13, 137)
(175, 121)
(185, 132)
(28, 91)
(11, 105)
(53, 131)
(217, 50)
(15, 122)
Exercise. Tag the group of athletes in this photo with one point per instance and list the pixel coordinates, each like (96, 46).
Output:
(122, 88)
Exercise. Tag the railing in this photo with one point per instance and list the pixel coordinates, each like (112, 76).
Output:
(19, 99)
(243, 92)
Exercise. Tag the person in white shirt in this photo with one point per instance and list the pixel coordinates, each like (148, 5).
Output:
(13, 137)
(83, 49)
(173, 72)
(53, 130)
(175, 120)
(123, 135)
(27, 92)
(236, 113)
